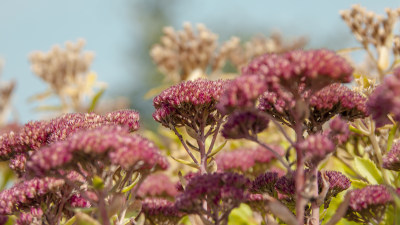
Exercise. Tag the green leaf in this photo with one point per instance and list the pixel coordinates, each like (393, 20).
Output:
(128, 188)
(98, 183)
(84, 219)
(355, 130)
(243, 215)
(70, 221)
(217, 149)
(185, 162)
(96, 99)
(391, 137)
(368, 170)
(358, 184)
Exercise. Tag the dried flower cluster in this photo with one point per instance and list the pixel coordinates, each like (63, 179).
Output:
(183, 52)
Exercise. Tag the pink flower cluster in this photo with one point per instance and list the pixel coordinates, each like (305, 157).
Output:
(113, 143)
(188, 101)
(368, 204)
(315, 68)
(158, 185)
(244, 124)
(391, 160)
(386, 99)
(245, 160)
(221, 191)
(161, 211)
(26, 193)
(316, 147)
(31, 217)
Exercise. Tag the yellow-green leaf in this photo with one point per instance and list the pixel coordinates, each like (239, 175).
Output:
(98, 183)
(217, 149)
(191, 164)
(96, 99)
(70, 221)
(128, 188)
(368, 170)
(84, 219)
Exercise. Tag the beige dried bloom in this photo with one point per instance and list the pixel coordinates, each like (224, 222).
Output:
(67, 71)
(260, 45)
(6, 89)
(375, 30)
(182, 54)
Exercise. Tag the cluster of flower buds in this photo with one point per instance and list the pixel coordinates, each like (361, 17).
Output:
(315, 148)
(16, 146)
(157, 185)
(368, 204)
(248, 161)
(336, 183)
(244, 124)
(190, 103)
(385, 99)
(222, 192)
(391, 160)
(30, 192)
(109, 144)
(161, 211)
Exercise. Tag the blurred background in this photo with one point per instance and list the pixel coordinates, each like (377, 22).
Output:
(121, 33)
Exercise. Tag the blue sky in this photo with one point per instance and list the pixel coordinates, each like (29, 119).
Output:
(110, 29)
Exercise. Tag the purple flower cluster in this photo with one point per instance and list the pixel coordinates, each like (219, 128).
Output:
(265, 184)
(221, 191)
(160, 211)
(33, 216)
(157, 185)
(316, 147)
(391, 160)
(337, 99)
(188, 102)
(368, 204)
(107, 143)
(315, 68)
(338, 131)
(63, 126)
(77, 201)
(249, 161)
(386, 99)
(244, 124)
(242, 93)
(14, 146)
(27, 193)
(337, 183)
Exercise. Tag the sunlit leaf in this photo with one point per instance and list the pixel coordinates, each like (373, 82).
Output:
(368, 170)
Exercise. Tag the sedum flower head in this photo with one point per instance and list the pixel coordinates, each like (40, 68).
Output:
(244, 124)
(337, 99)
(242, 93)
(77, 201)
(161, 211)
(338, 130)
(27, 193)
(32, 216)
(316, 147)
(368, 204)
(112, 144)
(188, 102)
(249, 161)
(315, 68)
(158, 185)
(385, 99)
(221, 191)
(391, 160)
(265, 184)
